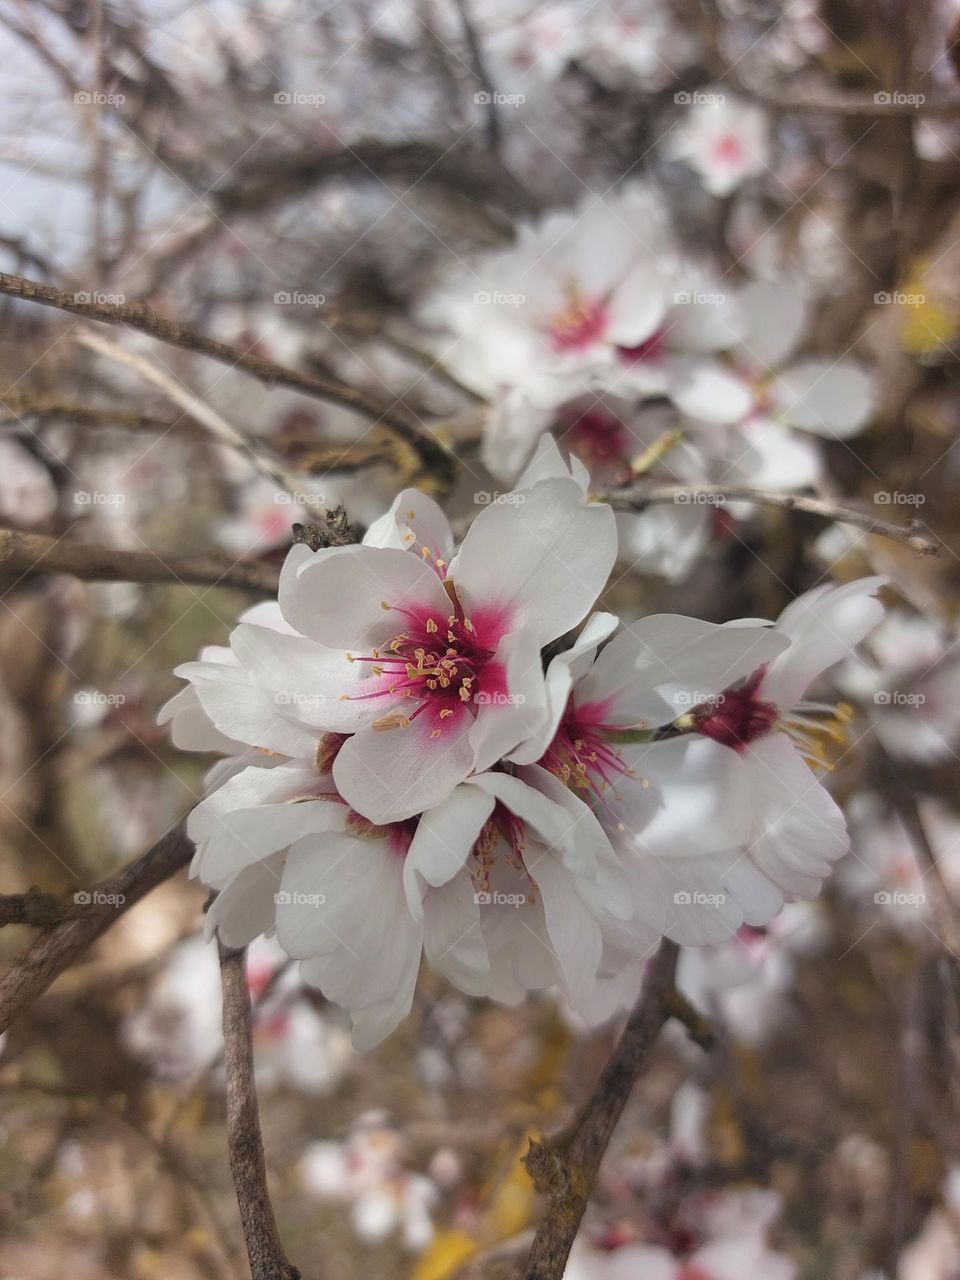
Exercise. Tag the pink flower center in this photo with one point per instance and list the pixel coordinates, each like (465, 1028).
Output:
(579, 755)
(579, 323)
(728, 149)
(737, 717)
(598, 438)
(437, 662)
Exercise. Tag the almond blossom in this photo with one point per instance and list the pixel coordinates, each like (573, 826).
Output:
(431, 665)
(574, 289)
(725, 139)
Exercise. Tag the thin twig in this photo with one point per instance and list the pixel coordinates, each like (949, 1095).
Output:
(53, 952)
(434, 457)
(33, 553)
(244, 1139)
(38, 909)
(567, 1169)
(637, 499)
(223, 431)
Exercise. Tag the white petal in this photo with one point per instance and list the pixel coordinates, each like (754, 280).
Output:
(538, 563)
(822, 626)
(337, 596)
(413, 523)
(664, 665)
(311, 684)
(834, 400)
(442, 842)
(774, 316)
(798, 830)
(346, 913)
(707, 392)
(245, 908)
(563, 670)
(243, 711)
(391, 774)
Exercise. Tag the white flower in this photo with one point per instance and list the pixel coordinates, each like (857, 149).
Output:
(759, 394)
(725, 139)
(761, 739)
(432, 668)
(574, 288)
(515, 882)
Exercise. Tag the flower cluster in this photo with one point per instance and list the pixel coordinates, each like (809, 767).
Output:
(596, 320)
(420, 761)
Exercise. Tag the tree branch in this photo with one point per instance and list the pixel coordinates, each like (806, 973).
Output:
(911, 535)
(39, 967)
(244, 1139)
(566, 1168)
(33, 553)
(36, 908)
(435, 458)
